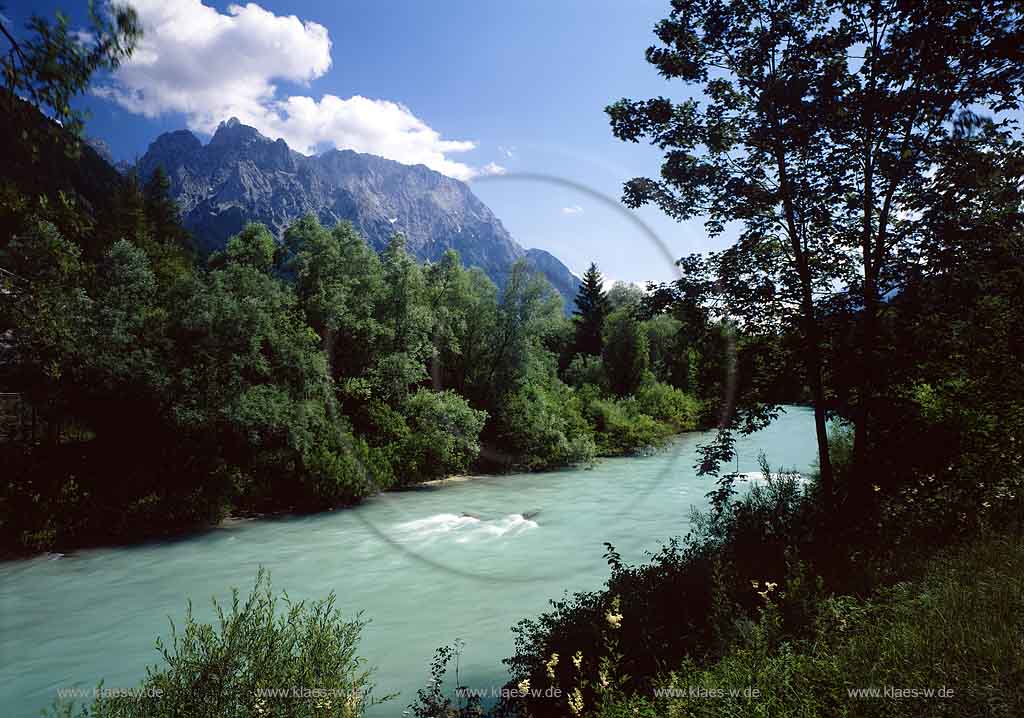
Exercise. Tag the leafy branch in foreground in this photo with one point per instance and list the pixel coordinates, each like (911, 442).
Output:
(53, 64)
(264, 656)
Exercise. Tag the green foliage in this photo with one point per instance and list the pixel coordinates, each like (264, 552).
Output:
(952, 629)
(338, 280)
(586, 369)
(47, 69)
(256, 386)
(433, 702)
(592, 308)
(46, 298)
(464, 303)
(253, 247)
(670, 355)
(624, 295)
(626, 352)
(442, 436)
(621, 426)
(528, 312)
(541, 426)
(664, 403)
(404, 315)
(257, 647)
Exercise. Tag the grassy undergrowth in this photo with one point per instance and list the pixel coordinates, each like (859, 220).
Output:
(957, 631)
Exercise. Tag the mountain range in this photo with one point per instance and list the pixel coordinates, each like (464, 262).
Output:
(241, 176)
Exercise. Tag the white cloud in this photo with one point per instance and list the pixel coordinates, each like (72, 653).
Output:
(83, 37)
(575, 209)
(509, 152)
(212, 66)
(493, 168)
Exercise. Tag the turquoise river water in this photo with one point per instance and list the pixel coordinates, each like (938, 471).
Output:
(421, 570)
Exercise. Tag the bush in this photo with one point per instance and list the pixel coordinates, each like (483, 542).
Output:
(689, 600)
(625, 355)
(957, 628)
(667, 404)
(230, 667)
(586, 369)
(621, 427)
(542, 425)
(443, 436)
(346, 472)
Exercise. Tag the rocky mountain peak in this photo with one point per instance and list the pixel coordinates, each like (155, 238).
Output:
(242, 176)
(233, 132)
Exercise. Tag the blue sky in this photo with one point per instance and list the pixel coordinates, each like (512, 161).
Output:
(523, 83)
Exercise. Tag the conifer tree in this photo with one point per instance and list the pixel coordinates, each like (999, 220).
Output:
(163, 215)
(591, 310)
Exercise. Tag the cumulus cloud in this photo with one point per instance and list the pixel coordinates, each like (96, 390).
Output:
(211, 66)
(575, 209)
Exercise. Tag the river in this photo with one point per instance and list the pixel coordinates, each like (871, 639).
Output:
(422, 571)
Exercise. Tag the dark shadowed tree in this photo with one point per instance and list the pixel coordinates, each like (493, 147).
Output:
(163, 214)
(591, 310)
(819, 122)
(626, 352)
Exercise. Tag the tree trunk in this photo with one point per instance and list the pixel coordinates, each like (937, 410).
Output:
(869, 336)
(821, 431)
(812, 334)
(812, 361)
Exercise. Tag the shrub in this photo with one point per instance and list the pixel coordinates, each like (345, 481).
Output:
(667, 404)
(228, 668)
(443, 436)
(431, 700)
(346, 472)
(542, 425)
(586, 369)
(956, 628)
(621, 428)
(625, 354)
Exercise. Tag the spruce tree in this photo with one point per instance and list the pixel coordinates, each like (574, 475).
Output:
(162, 213)
(161, 210)
(591, 310)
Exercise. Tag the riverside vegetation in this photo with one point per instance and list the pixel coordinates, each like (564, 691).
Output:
(156, 390)
(880, 262)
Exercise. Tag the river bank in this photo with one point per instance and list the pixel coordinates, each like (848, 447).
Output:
(423, 573)
(234, 517)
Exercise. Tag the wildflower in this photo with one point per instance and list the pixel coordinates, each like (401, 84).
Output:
(576, 702)
(876, 487)
(524, 686)
(755, 584)
(613, 616)
(354, 699)
(603, 677)
(577, 660)
(551, 666)
(986, 504)
(770, 585)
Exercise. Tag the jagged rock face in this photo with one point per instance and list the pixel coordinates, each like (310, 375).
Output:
(242, 176)
(557, 273)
